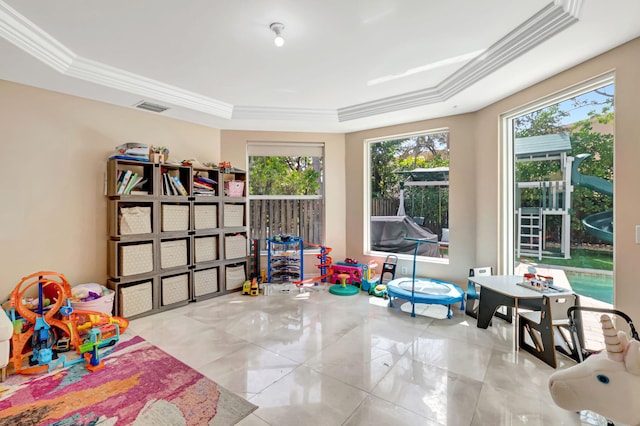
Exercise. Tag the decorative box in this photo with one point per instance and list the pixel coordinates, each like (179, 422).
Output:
(234, 188)
(136, 259)
(234, 214)
(175, 289)
(135, 220)
(135, 299)
(235, 246)
(175, 217)
(173, 253)
(205, 216)
(205, 281)
(206, 249)
(235, 276)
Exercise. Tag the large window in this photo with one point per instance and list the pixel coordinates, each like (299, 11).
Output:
(409, 194)
(561, 188)
(286, 190)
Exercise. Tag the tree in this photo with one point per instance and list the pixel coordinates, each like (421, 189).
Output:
(284, 175)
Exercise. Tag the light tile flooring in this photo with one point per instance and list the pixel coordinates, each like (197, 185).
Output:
(318, 359)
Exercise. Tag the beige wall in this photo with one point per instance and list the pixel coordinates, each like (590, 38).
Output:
(54, 149)
(474, 198)
(234, 149)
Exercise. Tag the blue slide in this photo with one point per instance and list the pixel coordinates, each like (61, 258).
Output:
(600, 225)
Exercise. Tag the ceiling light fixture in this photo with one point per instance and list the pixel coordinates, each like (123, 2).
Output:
(277, 28)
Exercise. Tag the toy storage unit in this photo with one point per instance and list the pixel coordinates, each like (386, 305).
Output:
(167, 249)
(285, 260)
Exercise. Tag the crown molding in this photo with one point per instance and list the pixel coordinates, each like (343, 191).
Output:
(24, 34)
(27, 36)
(248, 112)
(550, 20)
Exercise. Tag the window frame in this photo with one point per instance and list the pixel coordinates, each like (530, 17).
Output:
(289, 149)
(506, 175)
(366, 241)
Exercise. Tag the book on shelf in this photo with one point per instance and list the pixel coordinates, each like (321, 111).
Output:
(179, 187)
(125, 180)
(204, 179)
(168, 188)
(132, 180)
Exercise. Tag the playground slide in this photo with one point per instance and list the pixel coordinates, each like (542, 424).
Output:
(600, 225)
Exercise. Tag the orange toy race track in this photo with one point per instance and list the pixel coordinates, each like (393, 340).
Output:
(326, 263)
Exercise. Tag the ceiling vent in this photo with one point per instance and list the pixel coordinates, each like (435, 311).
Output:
(151, 107)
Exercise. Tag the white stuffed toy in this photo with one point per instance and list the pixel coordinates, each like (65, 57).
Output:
(607, 383)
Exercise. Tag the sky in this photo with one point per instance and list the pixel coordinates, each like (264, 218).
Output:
(582, 112)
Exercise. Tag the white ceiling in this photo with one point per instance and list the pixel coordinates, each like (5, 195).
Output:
(346, 65)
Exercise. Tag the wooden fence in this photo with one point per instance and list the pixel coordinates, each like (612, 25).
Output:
(287, 217)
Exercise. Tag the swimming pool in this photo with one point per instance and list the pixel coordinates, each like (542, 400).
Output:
(597, 286)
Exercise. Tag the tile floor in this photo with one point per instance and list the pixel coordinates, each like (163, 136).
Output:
(317, 359)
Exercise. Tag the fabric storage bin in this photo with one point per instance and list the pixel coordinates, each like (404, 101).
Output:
(234, 188)
(135, 220)
(205, 281)
(175, 217)
(135, 299)
(173, 253)
(234, 215)
(205, 216)
(235, 246)
(235, 276)
(206, 249)
(136, 258)
(175, 289)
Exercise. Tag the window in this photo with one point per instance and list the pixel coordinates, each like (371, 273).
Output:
(560, 177)
(409, 194)
(286, 191)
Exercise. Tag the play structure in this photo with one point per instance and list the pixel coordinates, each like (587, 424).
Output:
(553, 197)
(52, 326)
(424, 290)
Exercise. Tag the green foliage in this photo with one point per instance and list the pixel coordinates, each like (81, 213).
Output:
(284, 175)
(422, 151)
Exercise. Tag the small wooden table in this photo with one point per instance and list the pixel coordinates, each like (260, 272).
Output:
(503, 290)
